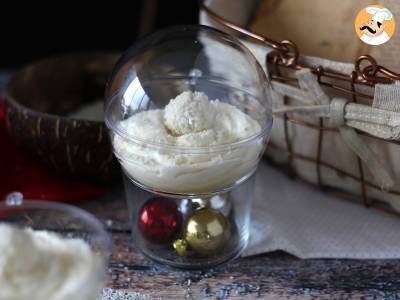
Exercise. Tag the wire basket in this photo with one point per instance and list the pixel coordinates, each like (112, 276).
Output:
(357, 86)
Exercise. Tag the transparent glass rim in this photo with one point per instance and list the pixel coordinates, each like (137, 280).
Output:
(61, 207)
(266, 129)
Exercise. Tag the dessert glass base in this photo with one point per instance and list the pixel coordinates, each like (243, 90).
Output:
(190, 231)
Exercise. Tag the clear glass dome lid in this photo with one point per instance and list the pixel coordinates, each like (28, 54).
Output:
(194, 58)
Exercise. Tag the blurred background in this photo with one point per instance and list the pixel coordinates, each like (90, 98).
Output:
(32, 31)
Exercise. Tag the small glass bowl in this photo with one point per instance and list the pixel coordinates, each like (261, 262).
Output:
(68, 222)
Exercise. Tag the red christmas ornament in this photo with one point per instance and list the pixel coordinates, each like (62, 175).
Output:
(159, 220)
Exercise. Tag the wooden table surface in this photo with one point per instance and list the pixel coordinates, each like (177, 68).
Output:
(270, 276)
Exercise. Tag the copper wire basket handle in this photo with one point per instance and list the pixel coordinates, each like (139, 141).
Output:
(287, 55)
(369, 72)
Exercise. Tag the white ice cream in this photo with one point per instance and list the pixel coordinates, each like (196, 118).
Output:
(189, 113)
(38, 265)
(192, 121)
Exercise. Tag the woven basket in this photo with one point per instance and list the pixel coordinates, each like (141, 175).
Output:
(308, 146)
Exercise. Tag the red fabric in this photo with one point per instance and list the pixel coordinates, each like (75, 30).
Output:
(18, 173)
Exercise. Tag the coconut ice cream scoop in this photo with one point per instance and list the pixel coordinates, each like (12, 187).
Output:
(189, 112)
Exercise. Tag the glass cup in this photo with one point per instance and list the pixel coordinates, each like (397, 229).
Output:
(189, 205)
(68, 222)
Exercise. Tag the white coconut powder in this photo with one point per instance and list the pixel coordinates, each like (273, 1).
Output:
(38, 265)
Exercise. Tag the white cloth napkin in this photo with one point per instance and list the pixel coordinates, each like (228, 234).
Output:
(290, 216)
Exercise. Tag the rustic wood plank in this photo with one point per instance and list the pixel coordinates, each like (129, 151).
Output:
(270, 276)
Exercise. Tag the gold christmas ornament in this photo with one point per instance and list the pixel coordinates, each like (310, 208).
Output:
(180, 247)
(207, 230)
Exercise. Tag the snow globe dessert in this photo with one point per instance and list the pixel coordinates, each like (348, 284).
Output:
(189, 117)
